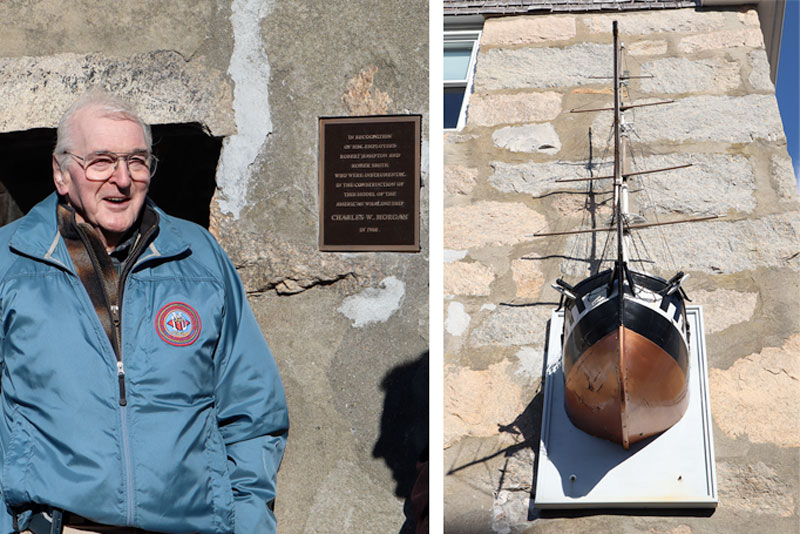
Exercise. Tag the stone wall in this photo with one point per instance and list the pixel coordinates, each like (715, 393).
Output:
(349, 331)
(745, 267)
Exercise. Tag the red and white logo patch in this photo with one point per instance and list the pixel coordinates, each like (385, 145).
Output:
(178, 324)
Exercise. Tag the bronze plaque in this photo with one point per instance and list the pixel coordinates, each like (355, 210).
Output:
(369, 170)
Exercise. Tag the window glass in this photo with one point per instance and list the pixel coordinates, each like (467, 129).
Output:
(456, 60)
(453, 97)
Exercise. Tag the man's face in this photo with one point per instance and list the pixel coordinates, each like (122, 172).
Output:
(112, 206)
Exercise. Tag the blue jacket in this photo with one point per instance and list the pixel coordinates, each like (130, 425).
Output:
(198, 445)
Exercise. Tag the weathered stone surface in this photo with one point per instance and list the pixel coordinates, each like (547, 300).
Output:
(453, 138)
(510, 508)
(750, 37)
(595, 209)
(512, 325)
(268, 263)
(648, 48)
(361, 97)
(741, 406)
(476, 402)
(528, 278)
(666, 21)
(723, 308)
(714, 184)
(528, 138)
(719, 119)
(725, 247)
(491, 110)
(162, 84)
(459, 180)
(754, 488)
(538, 178)
(680, 529)
(530, 362)
(527, 30)
(749, 17)
(542, 68)
(759, 75)
(47, 28)
(450, 255)
(489, 223)
(374, 304)
(470, 279)
(457, 320)
(677, 75)
(783, 176)
(334, 504)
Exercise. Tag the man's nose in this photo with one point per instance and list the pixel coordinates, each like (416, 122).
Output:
(122, 174)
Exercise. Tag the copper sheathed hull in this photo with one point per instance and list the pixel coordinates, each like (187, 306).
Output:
(625, 388)
(592, 390)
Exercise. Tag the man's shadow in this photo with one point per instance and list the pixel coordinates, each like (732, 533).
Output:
(403, 439)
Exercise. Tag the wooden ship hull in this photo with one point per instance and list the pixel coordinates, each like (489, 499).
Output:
(625, 364)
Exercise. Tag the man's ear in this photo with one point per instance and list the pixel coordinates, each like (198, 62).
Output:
(60, 177)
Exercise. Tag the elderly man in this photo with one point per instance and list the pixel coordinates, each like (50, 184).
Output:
(137, 392)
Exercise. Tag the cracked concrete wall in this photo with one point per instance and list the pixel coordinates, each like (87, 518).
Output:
(349, 331)
(499, 187)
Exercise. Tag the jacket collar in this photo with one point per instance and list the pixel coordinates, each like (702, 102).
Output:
(37, 235)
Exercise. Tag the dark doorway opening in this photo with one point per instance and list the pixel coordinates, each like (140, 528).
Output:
(183, 185)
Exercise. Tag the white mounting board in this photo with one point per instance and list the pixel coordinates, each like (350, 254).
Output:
(674, 469)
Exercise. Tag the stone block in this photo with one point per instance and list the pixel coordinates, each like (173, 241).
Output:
(538, 178)
(529, 138)
(714, 184)
(513, 325)
(542, 68)
(784, 177)
(527, 30)
(759, 74)
(528, 278)
(740, 407)
(468, 279)
(457, 320)
(726, 246)
(162, 84)
(665, 21)
(477, 402)
(721, 119)
(491, 110)
(459, 180)
(648, 48)
(489, 223)
(750, 37)
(677, 75)
(754, 489)
(723, 308)
(749, 17)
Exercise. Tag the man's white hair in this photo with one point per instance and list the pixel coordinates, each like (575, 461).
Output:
(108, 105)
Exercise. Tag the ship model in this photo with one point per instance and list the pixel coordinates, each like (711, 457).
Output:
(625, 352)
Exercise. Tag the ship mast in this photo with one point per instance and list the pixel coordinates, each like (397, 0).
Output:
(620, 189)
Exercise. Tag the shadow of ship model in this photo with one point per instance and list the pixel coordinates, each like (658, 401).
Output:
(625, 337)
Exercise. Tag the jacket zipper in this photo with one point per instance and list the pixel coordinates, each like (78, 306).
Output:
(117, 320)
(115, 311)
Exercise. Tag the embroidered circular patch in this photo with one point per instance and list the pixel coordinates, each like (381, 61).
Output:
(178, 324)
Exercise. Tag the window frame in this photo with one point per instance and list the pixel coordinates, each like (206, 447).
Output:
(453, 37)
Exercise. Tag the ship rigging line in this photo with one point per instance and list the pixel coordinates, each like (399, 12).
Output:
(629, 226)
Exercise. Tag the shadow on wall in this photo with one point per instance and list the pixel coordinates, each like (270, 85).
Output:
(183, 185)
(526, 429)
(403, 439)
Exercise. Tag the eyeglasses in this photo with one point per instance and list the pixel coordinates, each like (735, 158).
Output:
(99, 166)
